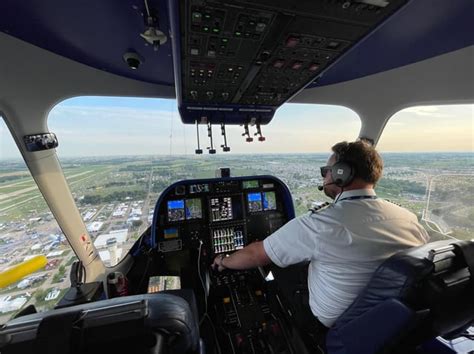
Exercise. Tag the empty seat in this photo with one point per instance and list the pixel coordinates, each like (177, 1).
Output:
(151, 323)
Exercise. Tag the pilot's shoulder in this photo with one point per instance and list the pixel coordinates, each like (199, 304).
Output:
(320, 207)
(392, 202)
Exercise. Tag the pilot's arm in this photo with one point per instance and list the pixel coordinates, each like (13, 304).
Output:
(288, 245)
(252, 256)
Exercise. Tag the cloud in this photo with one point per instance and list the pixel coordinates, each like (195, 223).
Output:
(427, 111)
(116, 114)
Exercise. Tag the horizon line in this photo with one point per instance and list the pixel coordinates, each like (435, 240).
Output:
(239, 154)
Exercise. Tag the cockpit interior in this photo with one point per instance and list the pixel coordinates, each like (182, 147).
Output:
(231, 63)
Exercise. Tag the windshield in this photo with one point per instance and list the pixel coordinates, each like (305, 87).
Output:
(131, 149)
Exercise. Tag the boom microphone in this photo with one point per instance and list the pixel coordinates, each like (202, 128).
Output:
(321, 187)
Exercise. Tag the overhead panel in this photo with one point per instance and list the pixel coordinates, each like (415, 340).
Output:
(236, 62)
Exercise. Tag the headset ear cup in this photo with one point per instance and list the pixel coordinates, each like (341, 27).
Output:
(342, 173)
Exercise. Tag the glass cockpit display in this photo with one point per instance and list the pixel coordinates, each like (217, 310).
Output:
(254, 201)
(189, 209)
(269, 201)
(199, 188)
(193, 209)
(261, 201)
(176, 210)
(250, 184)
(221, 209)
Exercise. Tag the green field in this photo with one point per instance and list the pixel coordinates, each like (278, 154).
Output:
(113, 180)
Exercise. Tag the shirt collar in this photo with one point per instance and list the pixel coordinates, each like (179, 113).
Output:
(355, 193)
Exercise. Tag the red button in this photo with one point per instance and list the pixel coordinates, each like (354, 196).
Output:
(278, 64)
(297, 65)
(292, 42)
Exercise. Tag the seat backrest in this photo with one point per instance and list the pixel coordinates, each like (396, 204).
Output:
(131, 324)
(414, 295)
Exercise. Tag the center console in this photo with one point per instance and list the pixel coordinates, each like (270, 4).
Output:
(248, 314)
(196, 220)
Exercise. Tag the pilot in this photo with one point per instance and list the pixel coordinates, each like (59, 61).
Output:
(344, 242)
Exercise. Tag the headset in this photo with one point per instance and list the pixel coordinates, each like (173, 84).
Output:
(342, 172)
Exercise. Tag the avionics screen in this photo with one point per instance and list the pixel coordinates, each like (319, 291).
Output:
(250, 184)
(269, 201)
(254, 202)
(221, 209)
(175, 210)
(198, 188)
(193, 209)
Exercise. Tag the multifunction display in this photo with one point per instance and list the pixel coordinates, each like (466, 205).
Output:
(175, 210)
(221, 209)
(261, 201)
(193, 209)
(254, 202)
(179, 210)
(199, 188)
(250, 184)
(269, 201)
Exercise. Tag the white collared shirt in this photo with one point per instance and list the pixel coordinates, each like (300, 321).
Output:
(345, 243)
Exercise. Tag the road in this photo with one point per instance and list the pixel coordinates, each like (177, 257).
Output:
(426, 215)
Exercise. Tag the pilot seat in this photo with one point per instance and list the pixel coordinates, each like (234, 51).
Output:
(413, 297)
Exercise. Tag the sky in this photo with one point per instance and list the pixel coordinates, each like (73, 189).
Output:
(100, 126)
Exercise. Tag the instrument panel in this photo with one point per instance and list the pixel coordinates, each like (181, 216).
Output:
(237, 61)
(221, 214)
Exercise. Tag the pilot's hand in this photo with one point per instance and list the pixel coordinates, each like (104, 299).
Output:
(217, 264)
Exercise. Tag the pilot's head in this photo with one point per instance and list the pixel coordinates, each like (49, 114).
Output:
(352, 165)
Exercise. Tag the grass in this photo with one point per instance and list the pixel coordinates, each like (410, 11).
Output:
(23, 211)
(17, 187)
(17, 182)
(44, 305)
(71, 260)
(33, 200)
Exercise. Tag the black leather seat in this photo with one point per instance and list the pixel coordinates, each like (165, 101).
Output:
(150, 323)
(415, 295)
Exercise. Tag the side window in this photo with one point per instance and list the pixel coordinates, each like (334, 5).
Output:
(27, 228)
(429, 167)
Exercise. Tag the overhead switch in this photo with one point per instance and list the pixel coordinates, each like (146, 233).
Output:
(278, 64)
(292, 42)
(297, 65)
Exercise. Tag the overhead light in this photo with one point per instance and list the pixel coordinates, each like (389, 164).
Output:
(154, 37)
(152, 34)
